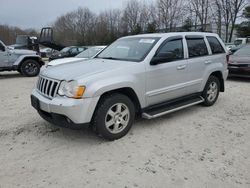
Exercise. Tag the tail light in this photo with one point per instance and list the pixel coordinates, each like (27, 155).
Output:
(227, 58)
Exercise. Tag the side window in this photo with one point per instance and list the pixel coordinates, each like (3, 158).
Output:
(196, 47)
(173, 49)
(74, 50)
(215, 45)
(80, 49)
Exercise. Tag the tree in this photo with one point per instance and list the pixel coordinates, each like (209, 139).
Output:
(246, 12)
(187, 25)
(75, 27)
(151, 27)
(131, 15)
(243, 29)
(236, 7)
(201, 10)
(221, 13)
(170, 13)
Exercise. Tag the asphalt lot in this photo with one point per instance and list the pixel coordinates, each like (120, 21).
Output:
(195, 147)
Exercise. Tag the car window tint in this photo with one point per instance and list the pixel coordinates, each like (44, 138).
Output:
(215, 45)
(196, 47)
(80, 49)
(74, 50)
(175, 47)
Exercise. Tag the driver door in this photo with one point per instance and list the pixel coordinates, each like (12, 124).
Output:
(167, 79)
(4, 58)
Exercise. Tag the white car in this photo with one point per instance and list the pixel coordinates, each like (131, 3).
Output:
(147, 75)
(87, 54)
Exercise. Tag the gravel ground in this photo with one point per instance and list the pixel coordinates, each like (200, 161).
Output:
(196, 147)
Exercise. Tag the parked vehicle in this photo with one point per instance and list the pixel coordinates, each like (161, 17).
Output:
(240, 41)
(236, 48)
(47, 52)
(26, 42)
(239, 62)
(26, 62)
(229, 46)
(70, 51)
(149, 75)
(87, 54)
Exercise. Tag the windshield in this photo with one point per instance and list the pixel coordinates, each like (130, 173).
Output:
(21, 40)
(237, 42)
(129, 49)
(65, 49)
(90, 52)
(245, 51)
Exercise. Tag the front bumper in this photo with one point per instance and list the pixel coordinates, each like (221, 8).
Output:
(239, 70)
(60, 110)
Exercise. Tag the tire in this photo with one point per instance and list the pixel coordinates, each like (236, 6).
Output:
(211, 91)
(30, 68)
(114, 116)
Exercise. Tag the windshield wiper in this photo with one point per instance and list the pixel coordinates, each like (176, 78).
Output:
(112, 58)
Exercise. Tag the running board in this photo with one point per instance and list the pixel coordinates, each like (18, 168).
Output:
(171, 107)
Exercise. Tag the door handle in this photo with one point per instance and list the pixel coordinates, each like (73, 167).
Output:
(208, 62)
(181, 67)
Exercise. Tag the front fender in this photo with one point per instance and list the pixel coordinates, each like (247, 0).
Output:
(98, 88)
(22, 57)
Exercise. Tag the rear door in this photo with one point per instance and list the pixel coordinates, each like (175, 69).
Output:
(167, 80)
(219, 55)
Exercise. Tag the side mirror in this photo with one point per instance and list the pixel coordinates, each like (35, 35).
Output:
(162, 58)
(2, 48)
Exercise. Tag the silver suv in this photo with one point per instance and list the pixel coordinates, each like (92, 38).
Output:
(149, 75)
(26, 62)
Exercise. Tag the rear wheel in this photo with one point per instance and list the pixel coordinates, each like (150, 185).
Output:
(211, 91)
(114, 116)
(30, 68)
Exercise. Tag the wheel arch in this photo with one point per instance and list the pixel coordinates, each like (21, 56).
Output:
(219, 75)
(37, 59)
(127, 91)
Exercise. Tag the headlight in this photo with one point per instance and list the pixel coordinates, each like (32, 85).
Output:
(71, 89)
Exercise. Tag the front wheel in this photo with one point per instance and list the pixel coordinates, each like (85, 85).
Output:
(211, 91)
(30, 68)
(114, 116)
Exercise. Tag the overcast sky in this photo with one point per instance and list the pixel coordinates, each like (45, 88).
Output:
(39, 13)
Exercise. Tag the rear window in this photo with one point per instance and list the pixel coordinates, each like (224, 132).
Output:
(215, 45)
(196, 47)
(245, 51)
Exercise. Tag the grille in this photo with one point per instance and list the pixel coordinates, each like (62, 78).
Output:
(47, 87)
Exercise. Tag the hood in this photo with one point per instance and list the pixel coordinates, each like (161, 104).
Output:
(18, 45)
(234, 59)
(64, 60)
(23, 52)
(77, 70)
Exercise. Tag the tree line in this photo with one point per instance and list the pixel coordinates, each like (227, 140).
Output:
(8, 33)
(243, 29)
(84, 27)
